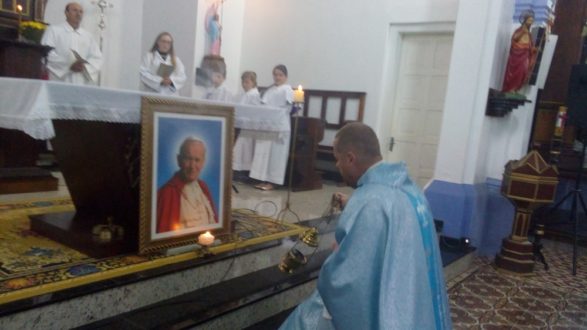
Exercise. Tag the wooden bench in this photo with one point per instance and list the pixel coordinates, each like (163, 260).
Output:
(335, 108)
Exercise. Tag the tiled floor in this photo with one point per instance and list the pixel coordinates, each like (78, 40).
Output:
(487, 298)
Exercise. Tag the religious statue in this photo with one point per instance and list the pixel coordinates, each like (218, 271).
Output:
(522, 56)
(213, 30)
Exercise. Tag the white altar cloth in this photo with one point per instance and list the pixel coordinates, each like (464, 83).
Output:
(29, 105)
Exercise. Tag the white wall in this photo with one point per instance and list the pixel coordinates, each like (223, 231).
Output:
(337, 45)
(472, 145)
(332, 44)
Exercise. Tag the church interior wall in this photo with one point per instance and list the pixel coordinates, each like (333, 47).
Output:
(471, 159)
(346, 45)
(333, 45)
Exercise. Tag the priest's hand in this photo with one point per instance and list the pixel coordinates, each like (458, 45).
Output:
(77, 66)
(166, 81)
(341, 199)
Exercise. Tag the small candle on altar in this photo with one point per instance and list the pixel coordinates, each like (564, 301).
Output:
(19, 11)
(206, 239)
(299, 95)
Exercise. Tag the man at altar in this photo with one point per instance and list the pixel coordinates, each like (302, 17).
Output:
(185, 200)
(75, 57)
(385, 271)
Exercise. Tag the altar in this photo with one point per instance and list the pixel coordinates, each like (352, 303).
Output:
(96, 136)
(35, 103)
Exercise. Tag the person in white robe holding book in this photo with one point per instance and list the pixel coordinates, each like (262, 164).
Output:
(161, 71)
(76, 57)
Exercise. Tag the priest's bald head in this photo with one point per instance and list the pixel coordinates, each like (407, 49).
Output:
(74, 12)
(356, 148)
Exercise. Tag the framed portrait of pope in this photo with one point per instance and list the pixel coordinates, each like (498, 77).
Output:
(186, 157)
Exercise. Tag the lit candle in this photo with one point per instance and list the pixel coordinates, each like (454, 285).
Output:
(299, 95)
(206, 239)
(19, 10)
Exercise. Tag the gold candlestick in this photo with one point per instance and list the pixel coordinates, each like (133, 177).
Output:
(19, 11)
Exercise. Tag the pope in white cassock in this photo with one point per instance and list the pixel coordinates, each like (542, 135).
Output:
(386, 272)
(76, 57)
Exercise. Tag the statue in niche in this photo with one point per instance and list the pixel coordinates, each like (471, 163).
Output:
(522, 56)
(213, 30)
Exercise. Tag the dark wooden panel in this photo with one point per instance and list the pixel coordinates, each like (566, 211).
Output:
(100, 163)
(310, 131)
(22, 60)
(570, 18)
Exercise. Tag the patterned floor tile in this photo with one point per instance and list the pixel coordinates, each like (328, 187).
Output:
(488, 298)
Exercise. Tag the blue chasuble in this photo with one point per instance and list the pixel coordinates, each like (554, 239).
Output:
(387, 271)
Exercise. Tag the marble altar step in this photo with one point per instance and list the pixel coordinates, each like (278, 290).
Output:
(233, 304)
(456, 260)
(112, 298)
(258, 300)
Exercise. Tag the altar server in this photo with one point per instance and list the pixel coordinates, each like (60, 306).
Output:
(270, 158)
(219, 91)
(386, 272)
(244, 146)
(76, 57)
(161, 71)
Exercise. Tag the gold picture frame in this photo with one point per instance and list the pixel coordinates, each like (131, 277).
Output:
(179, 191)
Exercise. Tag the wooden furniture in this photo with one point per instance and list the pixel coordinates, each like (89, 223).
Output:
(334, 108)
(310, 131)
(568, 26)
(100, 163)
(527, 183)
(18, 151)
(22, 60)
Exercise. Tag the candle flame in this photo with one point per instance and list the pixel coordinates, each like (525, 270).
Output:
(299, 87)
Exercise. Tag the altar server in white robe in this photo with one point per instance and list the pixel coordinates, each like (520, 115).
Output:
(244, 146)
(76, 57)
(161, 71)
(219, 91)
(270, 158)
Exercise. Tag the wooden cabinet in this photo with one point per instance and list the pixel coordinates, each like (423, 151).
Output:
(22, 60)
(568, 26)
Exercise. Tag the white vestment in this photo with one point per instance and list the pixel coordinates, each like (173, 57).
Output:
(195, 208)
(244, 146)
(220, 93)
(151, 82)
(270, 158)
(65, 39)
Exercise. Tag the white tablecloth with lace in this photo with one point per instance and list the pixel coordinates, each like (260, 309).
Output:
(30, 105)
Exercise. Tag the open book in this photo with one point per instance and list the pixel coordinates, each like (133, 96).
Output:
(85, 72)
(164, 70)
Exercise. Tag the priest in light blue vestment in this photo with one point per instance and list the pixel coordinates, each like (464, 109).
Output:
(386, 272)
